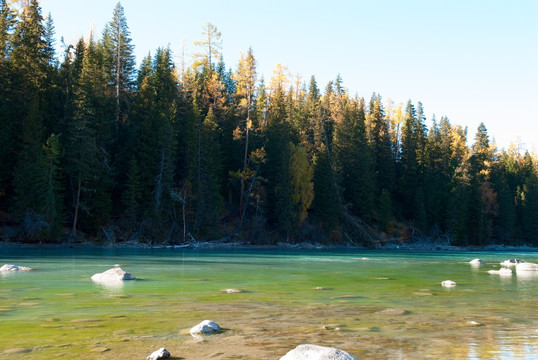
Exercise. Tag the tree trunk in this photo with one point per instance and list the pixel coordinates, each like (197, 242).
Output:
(77, 205)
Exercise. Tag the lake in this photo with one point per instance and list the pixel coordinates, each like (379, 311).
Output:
(372, 304)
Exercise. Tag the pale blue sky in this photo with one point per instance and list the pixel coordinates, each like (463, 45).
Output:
(471, 60)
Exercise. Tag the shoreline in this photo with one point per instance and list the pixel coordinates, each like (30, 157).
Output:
(221, 245)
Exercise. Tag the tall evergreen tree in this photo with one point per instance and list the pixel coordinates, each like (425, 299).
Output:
(119, 62)
(379, 139)
(353, 160)
(246, 82)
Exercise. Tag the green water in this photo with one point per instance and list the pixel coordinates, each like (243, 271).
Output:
(374, 305)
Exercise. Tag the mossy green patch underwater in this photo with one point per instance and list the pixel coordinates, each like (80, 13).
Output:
(378, 305)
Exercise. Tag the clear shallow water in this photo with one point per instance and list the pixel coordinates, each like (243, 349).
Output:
(375, 305)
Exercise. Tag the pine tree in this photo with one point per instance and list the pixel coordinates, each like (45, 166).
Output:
(301, 186)
(246, 81)
(208, 190)
(379, 139)
(7, 135)
(276, 171)
(29, 61)
(353, 160)
(88, 162)
(119, 62)
(54, 190)
(212, 43)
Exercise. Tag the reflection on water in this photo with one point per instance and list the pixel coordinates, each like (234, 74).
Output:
(378, 305)
(527, 275)
(110, 286)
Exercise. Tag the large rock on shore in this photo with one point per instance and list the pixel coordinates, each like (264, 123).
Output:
(9, 267)
(206, 327)
(316, 352)
(162, 353)
(113, 275)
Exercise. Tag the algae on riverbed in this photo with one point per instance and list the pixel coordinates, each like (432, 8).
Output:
(57, 312)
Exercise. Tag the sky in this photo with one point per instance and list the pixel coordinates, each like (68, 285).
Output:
(470, 60)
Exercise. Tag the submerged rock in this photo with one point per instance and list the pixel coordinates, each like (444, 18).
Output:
(162, 353)
(526, 267)
(316, 352)
(448, 283)
(501, 271)
(395, 312)
(9, 267)
(113, 275)
(232, 291)
(476, 262)
(512, 262)
(206, 327)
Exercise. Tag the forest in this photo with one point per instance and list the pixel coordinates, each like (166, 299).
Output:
(94, 147)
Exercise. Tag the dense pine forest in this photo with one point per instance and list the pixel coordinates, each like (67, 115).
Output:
(93, 147)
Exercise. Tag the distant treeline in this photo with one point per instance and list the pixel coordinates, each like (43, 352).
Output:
(92, 146)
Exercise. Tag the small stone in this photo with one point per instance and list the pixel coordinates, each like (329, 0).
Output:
(423, 293)
(320, 288)
(473, 323)
(162, 353)
(100, 349)
(476, 262)
(311, 352)
(122, 332)
(10, 267)
(448, 283)
(18, 351)
(206, 327)
(392, 312)
(232, 291)
(84, 320)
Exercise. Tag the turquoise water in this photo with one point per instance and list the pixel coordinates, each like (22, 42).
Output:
(375, 305)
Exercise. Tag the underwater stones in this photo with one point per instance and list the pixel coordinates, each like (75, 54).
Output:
(512, 262)
(476, 262)
(501, 272)
(473, 323)
(206, 327)
(231, 291)
(9, 267)
(526, 267)
(392, 312)
(316, 352)
(18, 351)
(112, 275)
(448, 283)
(162, 353)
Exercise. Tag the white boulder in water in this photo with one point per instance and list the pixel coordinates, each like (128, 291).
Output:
(9, 267)
(162, 353)
(501, 272)
(206, 327)
(476, 262)
(448, 283)
(316, 352)
(113, 275)
(526, 267)
(512, 262)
